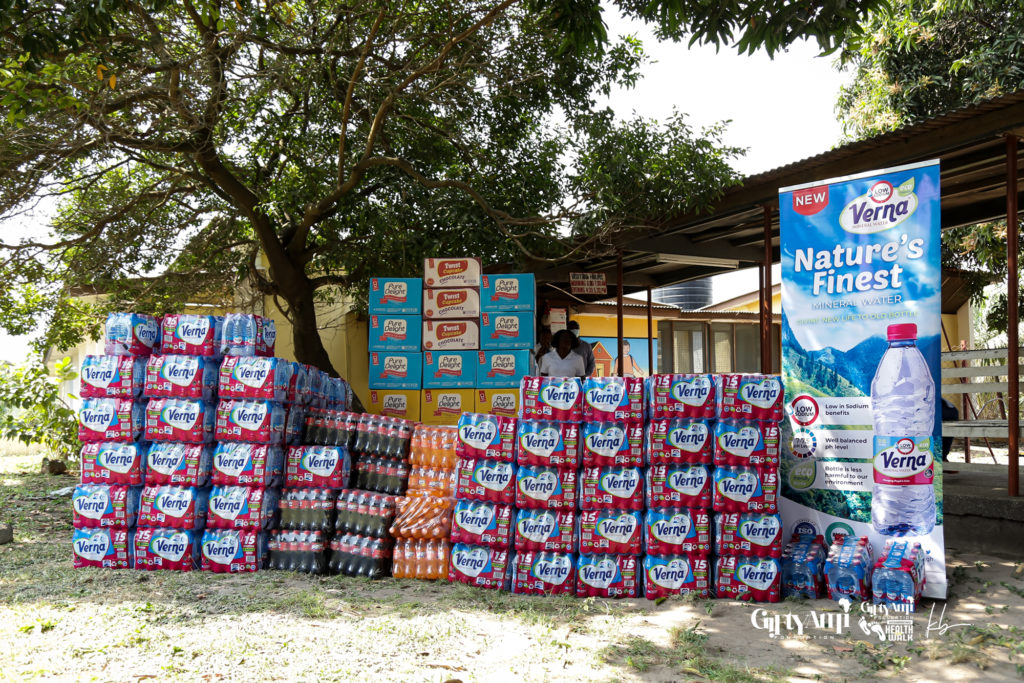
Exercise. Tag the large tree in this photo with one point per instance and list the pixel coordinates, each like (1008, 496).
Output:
(918, 60)
(300, 147)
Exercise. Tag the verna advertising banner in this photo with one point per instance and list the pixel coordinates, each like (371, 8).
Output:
(861, 323)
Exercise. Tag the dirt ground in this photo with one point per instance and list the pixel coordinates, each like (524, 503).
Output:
(59, 623)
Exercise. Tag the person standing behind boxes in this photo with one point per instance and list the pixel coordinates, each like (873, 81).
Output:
(584, 348)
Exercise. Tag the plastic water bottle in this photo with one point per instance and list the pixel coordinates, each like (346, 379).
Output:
(802, 562)
(903, 407)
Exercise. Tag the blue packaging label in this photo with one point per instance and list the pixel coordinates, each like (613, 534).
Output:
(513, 292)
(449, 369)
(396, 296)
(507, 330)
(395, 333)
(502, 369)
(394, 370)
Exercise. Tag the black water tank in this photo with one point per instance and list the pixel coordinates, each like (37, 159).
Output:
(688, 296)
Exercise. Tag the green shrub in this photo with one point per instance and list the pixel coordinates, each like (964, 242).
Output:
(33, 409)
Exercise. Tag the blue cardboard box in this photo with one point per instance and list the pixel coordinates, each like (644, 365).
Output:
(512, 292)
(396, 370)
(396, 295)
(449, 369)
(396, 333)
(507, 330)
(502, 369)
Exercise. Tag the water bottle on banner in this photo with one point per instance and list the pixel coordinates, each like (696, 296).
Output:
(903, 408)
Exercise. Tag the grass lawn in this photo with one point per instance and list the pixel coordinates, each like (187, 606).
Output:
(60, 623)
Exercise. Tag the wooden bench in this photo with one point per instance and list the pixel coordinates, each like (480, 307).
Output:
(993, 382)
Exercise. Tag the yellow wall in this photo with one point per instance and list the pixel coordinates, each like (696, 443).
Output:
(597, 325)
(754, 306)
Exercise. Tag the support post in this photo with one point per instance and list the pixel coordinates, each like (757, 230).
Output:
(618, 311)
(650, 332)
(766, 288)
(1013, 372)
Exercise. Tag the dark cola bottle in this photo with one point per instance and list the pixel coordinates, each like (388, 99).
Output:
(345, 567)
(273, 550)
(372, 526)
(349, 422)
(375, 474)
(381, 550)
(284, 505)
(403, 440)
(349, 511)
(309, 428)
(401, 478)
(365, 503)
(362, 434)
(316, 553)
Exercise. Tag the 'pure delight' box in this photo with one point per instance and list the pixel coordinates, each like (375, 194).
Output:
(395, 370)
(396, 295)
(395, 333)
(512, 292)
(449, 369)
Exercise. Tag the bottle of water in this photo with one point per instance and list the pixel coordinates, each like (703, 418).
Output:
(903, 407)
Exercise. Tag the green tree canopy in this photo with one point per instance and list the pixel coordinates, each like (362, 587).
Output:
(299, 148)
(920, 60)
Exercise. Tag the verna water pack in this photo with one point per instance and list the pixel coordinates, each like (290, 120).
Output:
(680, 440)
(175, 376)
(110, 419)
(738, 533)
(230, 551)
(490, 481)
(113, 462)
(191, 335)
(104, 505)
(751, 397)
(666, 575)
(611, 488)
(552, 398)
(607, 576)
(247, 464)
(746, 442)
(758, 579)
(677, 531)
(613, 444)
(103, 548)
(682, 395)
(480, 523)
(609, 399)
(166, 549)
(746, 489)
(546, 530)
(250, 421)
(241, 507)
(611, 531)
(255, 378)
(481, 435)
(175, 507)
(317, 466)
(112, 376)
(171, 463)
(178, 419)
(480, 566)
(548, 443)
(686, 485)
(131, 334)
(544, 573)
(547, 488)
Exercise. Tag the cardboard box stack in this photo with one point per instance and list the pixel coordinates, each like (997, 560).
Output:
(450, 342)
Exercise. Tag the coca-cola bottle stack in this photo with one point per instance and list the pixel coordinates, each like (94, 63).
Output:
(362, 513)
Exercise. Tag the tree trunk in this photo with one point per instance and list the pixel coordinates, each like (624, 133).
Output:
(309, 347)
